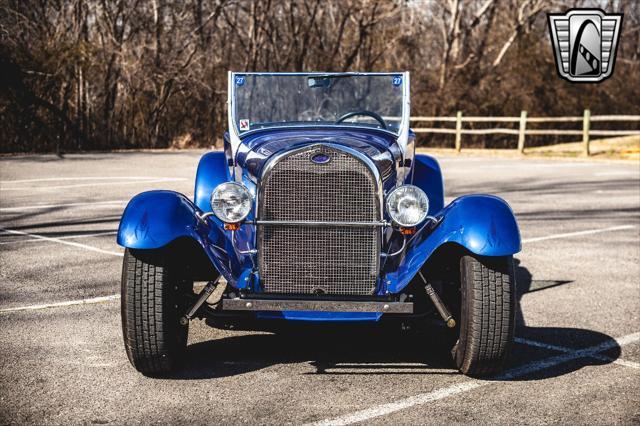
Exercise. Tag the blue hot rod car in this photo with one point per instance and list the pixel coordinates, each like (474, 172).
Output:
(318, 210)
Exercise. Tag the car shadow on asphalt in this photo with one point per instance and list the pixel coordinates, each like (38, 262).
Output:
(565, 337)
(335, 349)
(384, 349)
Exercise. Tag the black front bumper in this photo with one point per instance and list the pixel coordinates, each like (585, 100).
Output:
(244, 304)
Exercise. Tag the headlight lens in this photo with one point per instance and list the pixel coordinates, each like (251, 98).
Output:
(407, 205)
(231, 202)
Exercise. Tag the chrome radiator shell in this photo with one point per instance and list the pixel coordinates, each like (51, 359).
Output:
(319, 259)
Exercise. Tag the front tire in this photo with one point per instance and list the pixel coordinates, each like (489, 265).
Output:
(152, 300)
(487, 318)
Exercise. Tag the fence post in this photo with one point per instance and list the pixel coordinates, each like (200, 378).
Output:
(523, 126)
(586, 122)
(458, 131)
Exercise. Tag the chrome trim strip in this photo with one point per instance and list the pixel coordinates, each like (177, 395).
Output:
(381, 223)
(238, 304)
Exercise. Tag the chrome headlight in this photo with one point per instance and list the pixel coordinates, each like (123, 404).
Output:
(231, 202)
(407, 205)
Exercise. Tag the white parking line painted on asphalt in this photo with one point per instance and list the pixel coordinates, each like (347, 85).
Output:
(92, 300)
(421, 399)
(62, 179)
(564, 349)
(542, 345)
(403, 366)
(91, 248)
(60, 241)
(110, 203)
(569, 356)
(524, 165)
(79, 185)
(619, 361)
(381, 410)
(616, 173)
(578, 233)
(66, 237)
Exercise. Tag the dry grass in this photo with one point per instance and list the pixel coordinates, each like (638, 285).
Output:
(626, 147)
(622, 148)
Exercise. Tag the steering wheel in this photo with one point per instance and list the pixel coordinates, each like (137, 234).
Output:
(363, 112)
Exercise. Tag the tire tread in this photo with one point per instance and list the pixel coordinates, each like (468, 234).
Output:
(152, 337)
(488, 314)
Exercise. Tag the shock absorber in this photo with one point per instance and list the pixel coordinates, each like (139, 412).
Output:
(438, 303)
(202, 297)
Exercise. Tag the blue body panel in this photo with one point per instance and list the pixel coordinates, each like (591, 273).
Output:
(258, 147)
(154, 219)
(483, 224)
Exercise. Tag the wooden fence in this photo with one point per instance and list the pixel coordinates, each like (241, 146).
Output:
(522, 130)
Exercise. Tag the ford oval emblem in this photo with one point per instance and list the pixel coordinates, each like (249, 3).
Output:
(320, 158)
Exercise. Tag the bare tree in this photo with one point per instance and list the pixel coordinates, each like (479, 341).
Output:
(98, 74)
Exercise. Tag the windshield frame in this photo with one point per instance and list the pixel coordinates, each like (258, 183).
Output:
(236, 136)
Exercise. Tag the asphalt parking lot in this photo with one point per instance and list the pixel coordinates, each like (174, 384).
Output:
(62, 361)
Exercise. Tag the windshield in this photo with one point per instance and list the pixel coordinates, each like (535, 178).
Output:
(276, 100)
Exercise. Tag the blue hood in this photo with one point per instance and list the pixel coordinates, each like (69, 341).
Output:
(257, 148)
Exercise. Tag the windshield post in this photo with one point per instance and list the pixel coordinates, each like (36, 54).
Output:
(234, 137)
(403, 135)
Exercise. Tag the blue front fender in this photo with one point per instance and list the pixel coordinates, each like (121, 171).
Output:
(483, 224)
(154, 219)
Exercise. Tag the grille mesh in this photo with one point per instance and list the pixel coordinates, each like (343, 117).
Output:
(311, 259)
